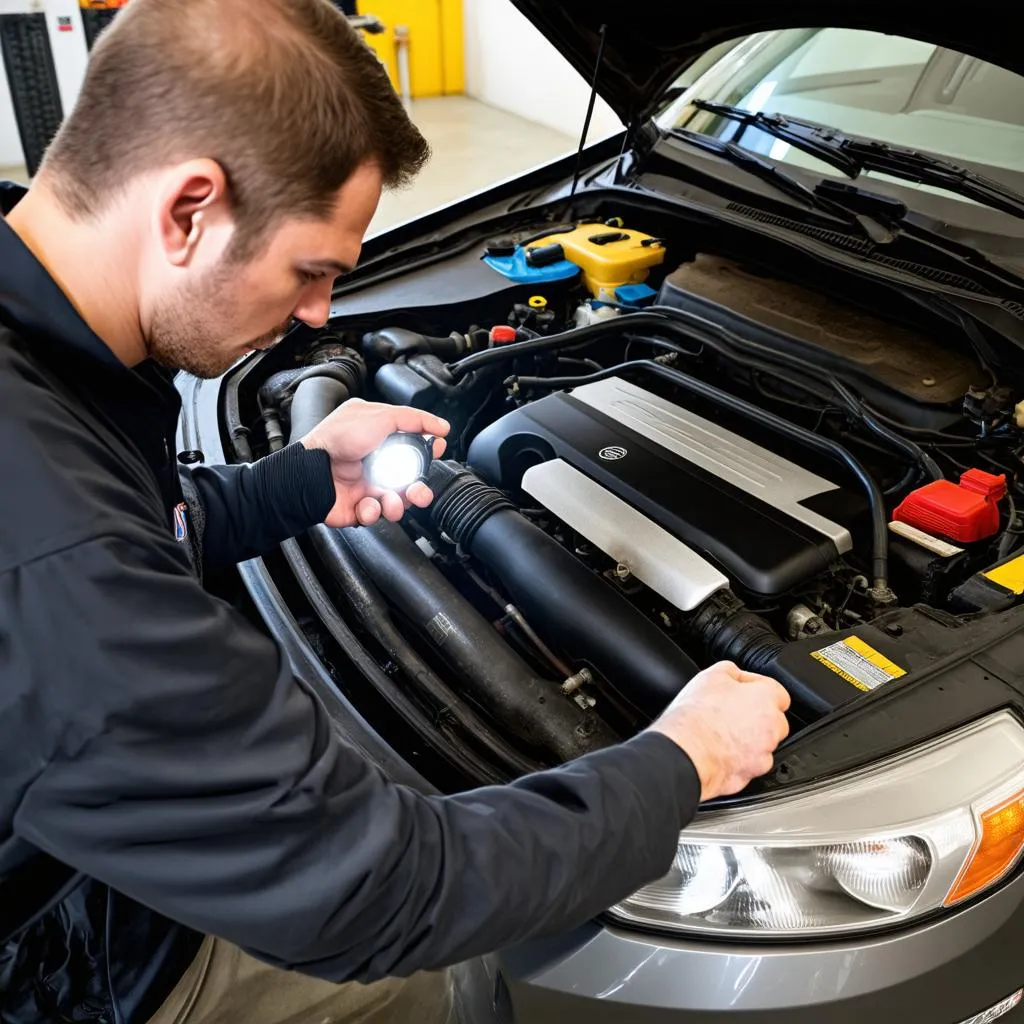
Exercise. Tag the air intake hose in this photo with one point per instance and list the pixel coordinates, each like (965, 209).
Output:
(728, 631)
(571, 607)
(531, 707)
(346, 370)
(314, 399)
(310, 393)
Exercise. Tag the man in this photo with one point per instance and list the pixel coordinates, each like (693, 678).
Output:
(162, 776)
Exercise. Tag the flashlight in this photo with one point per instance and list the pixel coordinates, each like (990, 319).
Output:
(400, 461)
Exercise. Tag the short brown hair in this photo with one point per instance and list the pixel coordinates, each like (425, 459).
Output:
(283, 94)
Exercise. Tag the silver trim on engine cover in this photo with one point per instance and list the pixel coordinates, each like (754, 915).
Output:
(667, 565)
(730, 457)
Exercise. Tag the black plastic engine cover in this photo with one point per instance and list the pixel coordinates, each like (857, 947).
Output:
(767, 524)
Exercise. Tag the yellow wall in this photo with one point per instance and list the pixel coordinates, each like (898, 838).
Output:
(436, 65)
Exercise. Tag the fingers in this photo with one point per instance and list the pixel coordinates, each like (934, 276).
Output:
(440, 444)
(749, 677)
(779, 693)
(783, 730)
(417, 421)
(729, 667)
(367, 511)
(419, 494)
(391, 505)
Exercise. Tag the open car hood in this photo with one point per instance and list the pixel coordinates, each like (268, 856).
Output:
(647, 47)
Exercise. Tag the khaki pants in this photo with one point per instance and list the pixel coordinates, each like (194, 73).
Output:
(225, 986)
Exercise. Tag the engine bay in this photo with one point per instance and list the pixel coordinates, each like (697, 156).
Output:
(659, 458)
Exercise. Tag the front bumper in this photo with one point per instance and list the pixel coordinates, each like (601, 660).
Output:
(944, 972)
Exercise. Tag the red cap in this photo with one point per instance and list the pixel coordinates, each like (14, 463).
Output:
(502, 334)
(964, 512)
(991, 485)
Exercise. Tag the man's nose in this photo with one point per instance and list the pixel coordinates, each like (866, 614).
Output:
(314, 307)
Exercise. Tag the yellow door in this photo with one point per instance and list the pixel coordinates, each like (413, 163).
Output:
(434, 27)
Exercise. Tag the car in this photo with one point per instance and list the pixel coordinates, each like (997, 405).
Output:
(744, 381)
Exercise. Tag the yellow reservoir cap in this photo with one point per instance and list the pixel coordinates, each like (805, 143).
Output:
(608, 256)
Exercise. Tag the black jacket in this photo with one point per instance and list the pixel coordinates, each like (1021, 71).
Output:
(163, 775)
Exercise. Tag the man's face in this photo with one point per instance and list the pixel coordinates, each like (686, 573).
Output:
(218, 308)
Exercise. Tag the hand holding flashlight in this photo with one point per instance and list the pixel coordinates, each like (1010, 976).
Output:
(379, 455)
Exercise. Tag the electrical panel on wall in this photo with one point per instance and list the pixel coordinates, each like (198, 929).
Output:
(45, 48)
(32, 78)
(97, 15)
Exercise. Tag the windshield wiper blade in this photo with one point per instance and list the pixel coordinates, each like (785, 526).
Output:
(785, 128)
(767, 171)
(933, 170)
(853, 155)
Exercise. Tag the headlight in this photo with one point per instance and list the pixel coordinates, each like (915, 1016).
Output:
(922, 831)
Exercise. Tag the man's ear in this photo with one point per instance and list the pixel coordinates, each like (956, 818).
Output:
(192, 197)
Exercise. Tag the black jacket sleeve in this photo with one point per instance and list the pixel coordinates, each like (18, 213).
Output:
(243, 511)
(189, 770)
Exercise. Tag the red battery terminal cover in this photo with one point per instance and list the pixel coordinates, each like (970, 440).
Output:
(963, 512)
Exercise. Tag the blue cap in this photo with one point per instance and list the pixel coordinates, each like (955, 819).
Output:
(635, 294)
(516, 269)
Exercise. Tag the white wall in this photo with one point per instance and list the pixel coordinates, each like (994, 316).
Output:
(10, 143)
(841, 48)
(510, 65)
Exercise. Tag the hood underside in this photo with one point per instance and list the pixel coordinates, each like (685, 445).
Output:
(646, 49)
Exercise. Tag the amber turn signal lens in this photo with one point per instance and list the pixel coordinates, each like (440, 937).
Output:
(995, 852)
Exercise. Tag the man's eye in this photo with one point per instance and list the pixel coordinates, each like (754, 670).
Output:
(308, 276)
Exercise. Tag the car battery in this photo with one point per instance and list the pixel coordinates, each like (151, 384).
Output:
(995, 589)
(925, 568)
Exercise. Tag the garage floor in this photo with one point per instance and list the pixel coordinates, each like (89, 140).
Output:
(474, 145)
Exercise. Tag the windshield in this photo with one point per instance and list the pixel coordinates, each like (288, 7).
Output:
(896, 90)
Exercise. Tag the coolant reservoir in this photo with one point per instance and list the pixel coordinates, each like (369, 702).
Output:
(609, 257)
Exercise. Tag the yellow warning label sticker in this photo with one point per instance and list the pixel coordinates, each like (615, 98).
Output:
(858, 663)
(1010, 575)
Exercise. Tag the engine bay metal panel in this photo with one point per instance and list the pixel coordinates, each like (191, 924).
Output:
(655, 557)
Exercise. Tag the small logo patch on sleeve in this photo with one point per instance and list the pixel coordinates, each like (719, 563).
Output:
(180, 522)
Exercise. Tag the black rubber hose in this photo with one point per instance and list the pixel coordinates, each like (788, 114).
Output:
(530, 707)
(704, 332)
(372, 611)
(730, 632)
(314, 398)
(913, 451)
(391, 343)
(345, 370)
(565, 601)
(764, 418)
(238, 433)
(565, 340)
(436, 735)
